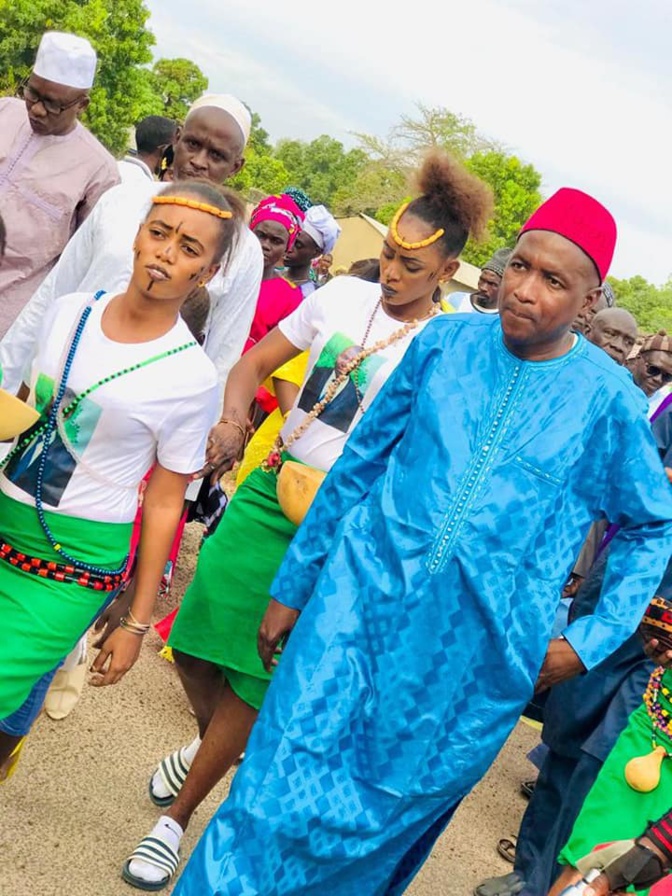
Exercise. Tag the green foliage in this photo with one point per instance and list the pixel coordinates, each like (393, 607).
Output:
(259, 140)
(177, 82)
(321, 167)
(261, 176)
(516, 189)
(391, 162)
(437, 127)
(650, 305)
(375, 186)
(116, 28)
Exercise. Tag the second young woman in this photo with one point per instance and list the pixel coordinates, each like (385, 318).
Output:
(356, 332)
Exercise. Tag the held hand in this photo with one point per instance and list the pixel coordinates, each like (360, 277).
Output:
(561, 663)
(657, 653)
(225, 444)
(122, 649)
(572, 585)
(600, 887)
(276, 625)
(108, 621)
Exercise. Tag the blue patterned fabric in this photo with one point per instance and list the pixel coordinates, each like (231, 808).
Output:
(428, 572)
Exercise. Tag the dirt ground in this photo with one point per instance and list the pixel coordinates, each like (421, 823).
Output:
(78, 803)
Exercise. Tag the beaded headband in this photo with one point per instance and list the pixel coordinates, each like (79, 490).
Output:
(400, 241)
(192, 203)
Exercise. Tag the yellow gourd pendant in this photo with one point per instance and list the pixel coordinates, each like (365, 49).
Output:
(643, 772)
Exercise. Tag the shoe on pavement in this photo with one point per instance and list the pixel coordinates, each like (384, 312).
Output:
(508, 885)
(65, 691)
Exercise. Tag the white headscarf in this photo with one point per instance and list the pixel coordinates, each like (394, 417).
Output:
(321, 225)
(228, 103)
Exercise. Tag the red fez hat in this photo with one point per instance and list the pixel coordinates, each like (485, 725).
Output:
(583, 220)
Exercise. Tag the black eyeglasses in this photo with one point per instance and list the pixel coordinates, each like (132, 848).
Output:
(31, 96)
(654, 372)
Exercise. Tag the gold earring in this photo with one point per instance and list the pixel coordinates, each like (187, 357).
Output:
(201, 284)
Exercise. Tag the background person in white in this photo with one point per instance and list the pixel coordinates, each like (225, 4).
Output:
(152, 135)
(100, 255)
(52, 169)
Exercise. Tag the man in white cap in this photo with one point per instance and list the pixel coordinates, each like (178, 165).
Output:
(485, 297)
(210, 145)
(318, 237)
(52, 169)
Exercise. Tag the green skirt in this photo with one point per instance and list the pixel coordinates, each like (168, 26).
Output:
(613, 810)
(42, 619)
(222, 610)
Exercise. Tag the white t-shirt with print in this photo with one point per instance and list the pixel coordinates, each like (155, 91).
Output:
(162, 411)
(332, 323)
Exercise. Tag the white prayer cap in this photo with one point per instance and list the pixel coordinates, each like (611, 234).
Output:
(321, 225)
(65, 59)
(228, 103)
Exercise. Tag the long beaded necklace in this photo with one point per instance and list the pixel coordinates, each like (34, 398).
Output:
(274, 459)
(643, 772)
(46, 431)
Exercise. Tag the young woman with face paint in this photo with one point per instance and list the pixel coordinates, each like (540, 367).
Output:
(121, 386)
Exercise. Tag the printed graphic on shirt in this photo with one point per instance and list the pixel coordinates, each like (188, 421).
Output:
(334, 357)
(61, 461)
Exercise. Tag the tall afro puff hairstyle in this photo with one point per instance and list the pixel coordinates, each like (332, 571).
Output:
(222, 198)
(452, 198)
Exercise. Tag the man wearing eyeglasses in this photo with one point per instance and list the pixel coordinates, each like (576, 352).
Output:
(52, 169)
(652, 368)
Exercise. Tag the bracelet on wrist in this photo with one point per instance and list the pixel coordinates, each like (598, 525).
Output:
(133, 627)
(235, 423)
(131, 618)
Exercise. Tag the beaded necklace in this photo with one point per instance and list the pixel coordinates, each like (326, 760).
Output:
(274, 459)
(643, 772)
(660, 718)
(46, 430)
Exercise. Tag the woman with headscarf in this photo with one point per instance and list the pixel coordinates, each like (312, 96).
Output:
(276, 222)
(318, 237)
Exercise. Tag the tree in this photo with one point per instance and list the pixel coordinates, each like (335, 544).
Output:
(259, 139)
(122, 93)
(375, 187)
(516, 189)
(261, 176)
(321, 167)
(650, 305)
(383, 181)
(440, 128)
(177, 82)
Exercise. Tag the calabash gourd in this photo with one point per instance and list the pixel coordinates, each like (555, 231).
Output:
(297, 486)
(643, 772)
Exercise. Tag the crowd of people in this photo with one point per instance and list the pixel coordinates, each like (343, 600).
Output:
(451, 509)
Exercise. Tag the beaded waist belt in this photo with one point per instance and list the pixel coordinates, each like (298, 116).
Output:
(60, 572)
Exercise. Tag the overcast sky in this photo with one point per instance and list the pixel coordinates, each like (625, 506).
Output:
(583, 90)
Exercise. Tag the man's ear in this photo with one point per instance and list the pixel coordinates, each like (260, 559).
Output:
(238, 166)
(592, 298)
(176, 136)
(83, 103)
